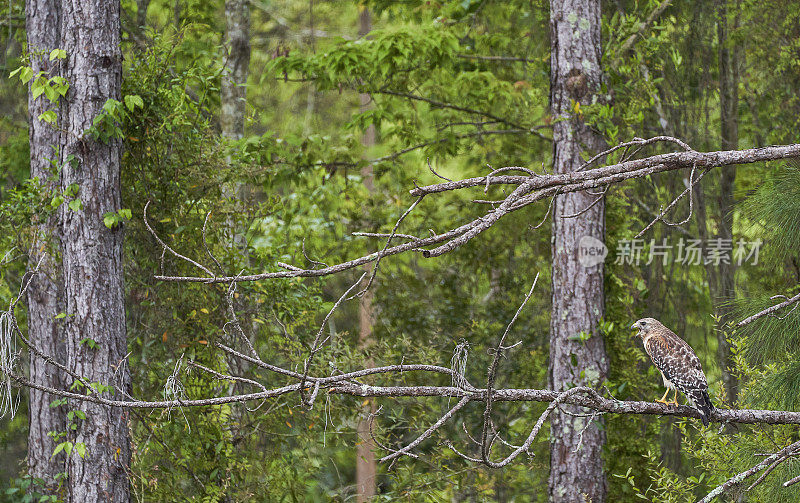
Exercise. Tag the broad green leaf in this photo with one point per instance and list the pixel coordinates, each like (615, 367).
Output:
(37, 89)
(49, 116)
(132, 101)
(26, 74)
(58, 54)
(59, 448)
(110, 220)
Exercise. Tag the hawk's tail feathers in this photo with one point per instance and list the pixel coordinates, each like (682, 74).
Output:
(702, 402)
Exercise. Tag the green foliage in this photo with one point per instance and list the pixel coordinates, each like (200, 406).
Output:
(772, 341)
(27, 489)
(438, 101)
(113, 219)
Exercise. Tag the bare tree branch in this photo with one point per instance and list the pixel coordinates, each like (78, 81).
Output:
(640, 28)
(738, 478)
(441, 104)
(335, 385)
(491, 375)
(461, 403)
(636, 168)
(769, 311)
(530, 189)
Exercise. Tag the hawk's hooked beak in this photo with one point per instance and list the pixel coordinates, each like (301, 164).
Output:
(635, 326)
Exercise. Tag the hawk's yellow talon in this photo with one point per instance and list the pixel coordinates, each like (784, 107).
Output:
(663, 399)
(674, 400)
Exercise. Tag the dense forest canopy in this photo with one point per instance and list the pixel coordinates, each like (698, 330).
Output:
(275, 250)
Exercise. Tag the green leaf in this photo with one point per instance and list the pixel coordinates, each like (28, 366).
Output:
(61, 315)
(56, 202)
(80, 448)
(125, 213)
(58, 54)
(89, 342)
(50, 93)
(37, 89)
(110, 220)
(60, 85)
(75, 205)
(26, 74)
(59, 448)
(49, 116)
(58, 402)
(133, 100)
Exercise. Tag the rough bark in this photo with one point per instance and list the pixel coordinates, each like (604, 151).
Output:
(366, 467)
(92, 253)
(44, 298)
(576, 443)
(233, 91)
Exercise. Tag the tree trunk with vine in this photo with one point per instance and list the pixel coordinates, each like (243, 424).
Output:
(44, 296)
(92, 252)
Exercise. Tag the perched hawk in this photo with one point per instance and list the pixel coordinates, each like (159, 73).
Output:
(679, 366)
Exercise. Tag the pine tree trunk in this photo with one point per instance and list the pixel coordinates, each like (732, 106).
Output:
(233, 91)
(366, 466)
(44, 296)
(576, 445)
(92, 253)
(141, 13)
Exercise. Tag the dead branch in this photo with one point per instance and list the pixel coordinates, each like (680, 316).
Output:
(653, 164)
(337, 385)
(738, 478)
(530, 189)
(769, 310)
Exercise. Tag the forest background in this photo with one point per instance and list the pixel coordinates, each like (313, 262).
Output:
(296, 124)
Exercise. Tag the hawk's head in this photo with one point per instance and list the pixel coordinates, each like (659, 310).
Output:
(645, 325)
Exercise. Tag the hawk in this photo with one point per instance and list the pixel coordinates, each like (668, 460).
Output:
(679, 366)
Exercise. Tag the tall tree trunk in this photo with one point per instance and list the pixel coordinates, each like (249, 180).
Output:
(723, 290)
(233, 91)
(366, 467)
(45, 299)
(141, 13)
(576, 445)
(92, 253)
